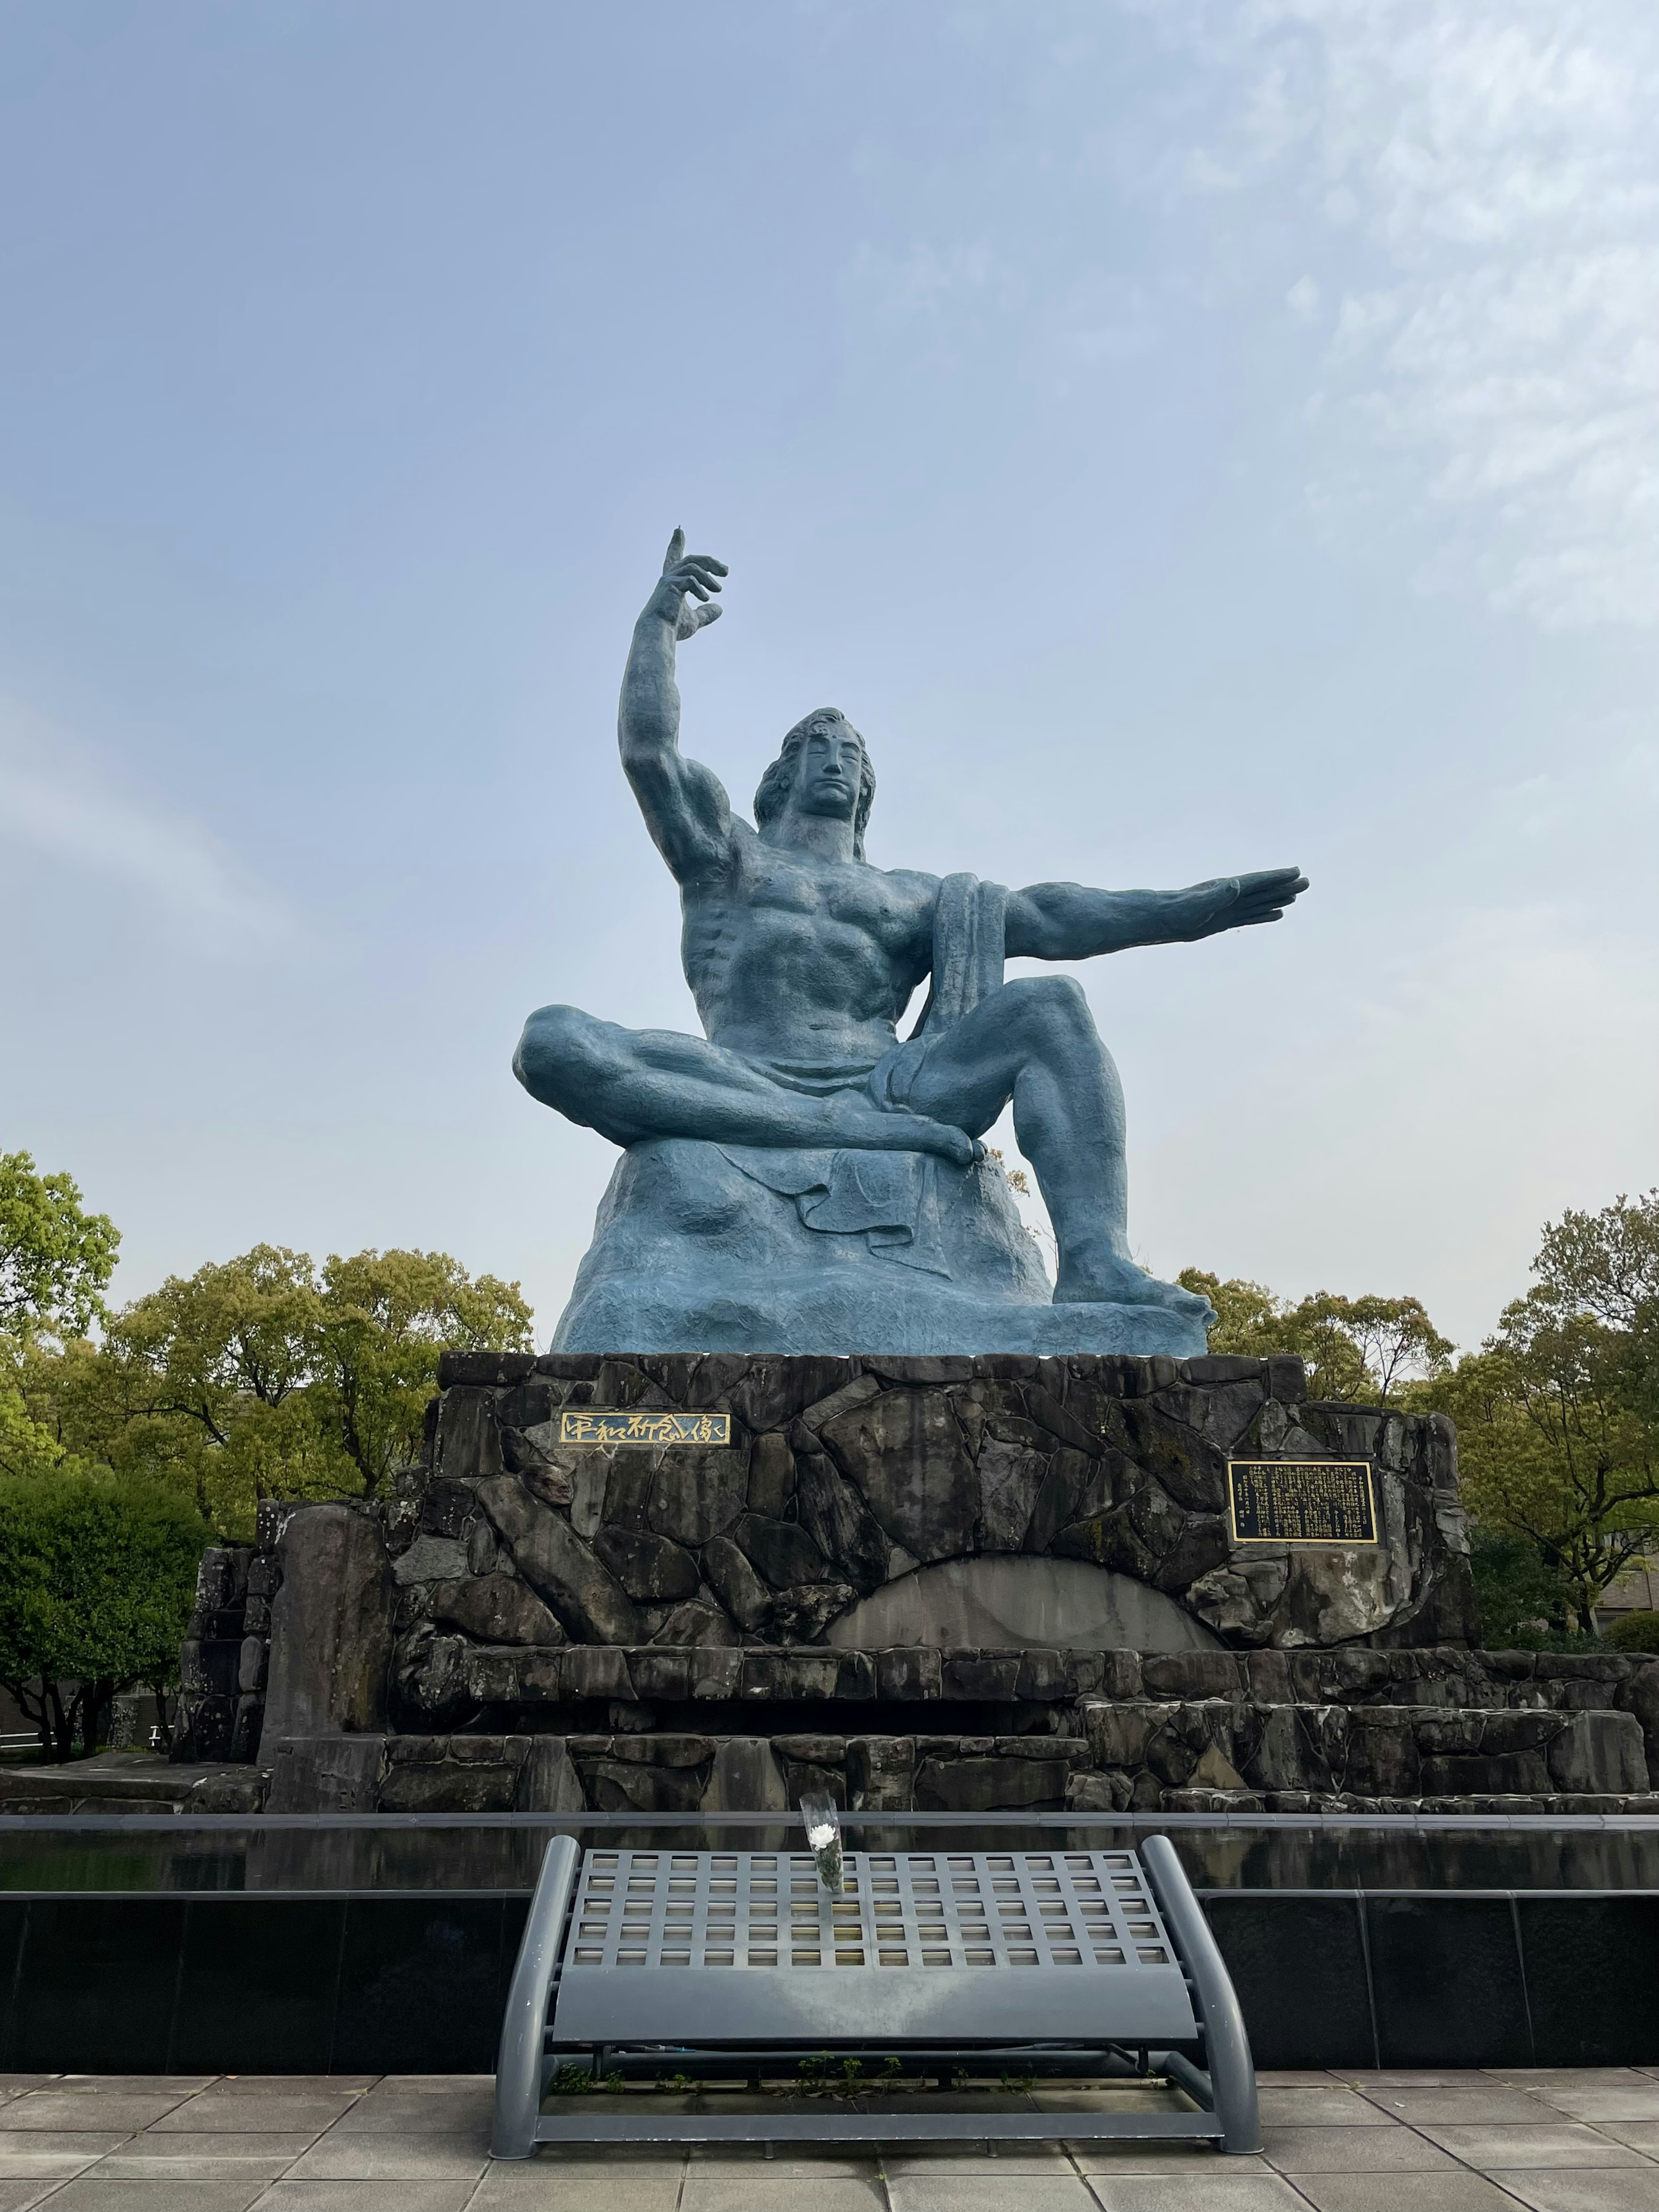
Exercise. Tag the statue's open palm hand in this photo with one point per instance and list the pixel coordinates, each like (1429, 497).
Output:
(1241, 902)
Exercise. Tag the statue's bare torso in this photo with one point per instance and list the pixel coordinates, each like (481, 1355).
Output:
(802, 958)
(793, 959)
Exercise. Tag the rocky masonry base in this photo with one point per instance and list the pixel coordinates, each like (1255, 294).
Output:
(710, 1730)
(920, 1585)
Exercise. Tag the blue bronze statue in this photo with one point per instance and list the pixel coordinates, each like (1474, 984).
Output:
(799, 1179)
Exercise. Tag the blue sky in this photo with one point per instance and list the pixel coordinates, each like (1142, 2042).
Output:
(1184, 437)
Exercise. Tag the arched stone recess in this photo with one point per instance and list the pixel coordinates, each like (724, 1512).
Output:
(1010, 1604)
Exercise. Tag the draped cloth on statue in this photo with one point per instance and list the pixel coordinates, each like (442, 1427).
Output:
(894, 1200)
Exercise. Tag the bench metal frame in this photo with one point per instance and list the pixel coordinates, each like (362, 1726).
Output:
(738, 1964)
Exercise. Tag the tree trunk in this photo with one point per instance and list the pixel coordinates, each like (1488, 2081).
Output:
(95, 1701)
(57, 1725)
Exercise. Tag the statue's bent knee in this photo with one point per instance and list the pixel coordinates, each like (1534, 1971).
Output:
(1052, 1001)
(556, 1060)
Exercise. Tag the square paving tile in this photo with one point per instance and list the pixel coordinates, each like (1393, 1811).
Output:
(743, 2192)
(20, 2195)
(1563, 2145)
(1404, 2192)
(81, 2115)
(981, 2192)
(1015, 2158)
(1426, 2077)
(1572, 2077)
(1593, 2104)
(135, 2085)
(1468, 2107)
(1640, 2135)
(1196, 2159)
(586, 2185)
(257, 2172)
(1351, 2150)
(214, 2142)
(92, 2192)
(426, 2085)
(42, 2150)
(1333, 2106)
(1197, 2192)
(1601, 2191)
(366, 2196)
(293, 2085)
(221, 2115)
(750, 2158)
(393, 2158)
(446, 2112)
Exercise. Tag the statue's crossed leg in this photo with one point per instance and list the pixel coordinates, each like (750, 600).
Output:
(1032, 1041)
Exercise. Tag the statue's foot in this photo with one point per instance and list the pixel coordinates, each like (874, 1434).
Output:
(1109, 1280)
(854, 1120)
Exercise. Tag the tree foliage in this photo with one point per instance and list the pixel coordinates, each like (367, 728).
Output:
(1367, 1351)
(266, 1377)
(97, 1578)
(1559, 1443)
(56, 1260)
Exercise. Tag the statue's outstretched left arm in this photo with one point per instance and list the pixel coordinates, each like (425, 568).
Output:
(1069, 921)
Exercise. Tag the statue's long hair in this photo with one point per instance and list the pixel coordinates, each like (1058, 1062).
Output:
(773, 793)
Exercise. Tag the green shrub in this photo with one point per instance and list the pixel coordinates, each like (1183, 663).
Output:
(1636, 1632)
(97, 1579)
(1516, 1592)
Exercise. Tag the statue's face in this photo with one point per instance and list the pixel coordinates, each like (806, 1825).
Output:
(828, 770)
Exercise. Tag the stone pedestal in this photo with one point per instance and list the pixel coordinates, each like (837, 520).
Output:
(1002, 1583)
(730, 1247)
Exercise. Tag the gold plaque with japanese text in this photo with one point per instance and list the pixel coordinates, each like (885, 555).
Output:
(1301, 1501)
(600, 1425)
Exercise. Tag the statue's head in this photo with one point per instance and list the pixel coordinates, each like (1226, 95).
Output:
(821, 768)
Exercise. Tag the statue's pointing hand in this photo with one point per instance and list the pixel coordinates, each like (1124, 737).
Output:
(687, 577)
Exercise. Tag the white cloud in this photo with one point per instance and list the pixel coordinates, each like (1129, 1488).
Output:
(1482, 178)
(58, 802)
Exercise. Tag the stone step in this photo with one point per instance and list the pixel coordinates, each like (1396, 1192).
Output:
(1084, 1792)
(1396, 1751)
(685, 1773)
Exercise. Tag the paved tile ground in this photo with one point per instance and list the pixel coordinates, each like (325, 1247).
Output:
(1550, 2141)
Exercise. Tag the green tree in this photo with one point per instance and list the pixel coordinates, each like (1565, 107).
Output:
(378, 1324)
(1559, 1443)
(56, 1260)
(264, 1377)
(97, 1579)
(1367, 1351)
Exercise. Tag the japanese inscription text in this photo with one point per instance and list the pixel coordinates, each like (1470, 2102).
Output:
(1301, 1501)
(593, 1424)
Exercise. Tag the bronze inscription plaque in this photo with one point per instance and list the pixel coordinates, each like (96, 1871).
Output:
(1301, 1501)
(600, 1425)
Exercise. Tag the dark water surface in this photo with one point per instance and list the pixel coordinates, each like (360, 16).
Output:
(489, 1854)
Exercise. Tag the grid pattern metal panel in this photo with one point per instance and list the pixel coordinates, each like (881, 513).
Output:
(909, 1909)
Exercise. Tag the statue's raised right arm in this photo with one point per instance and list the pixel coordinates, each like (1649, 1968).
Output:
(684, 802)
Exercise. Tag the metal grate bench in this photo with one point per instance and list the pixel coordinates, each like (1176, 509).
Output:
(735, 1963)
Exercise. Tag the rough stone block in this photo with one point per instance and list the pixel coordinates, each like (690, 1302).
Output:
(988, 1785)
(330, 1639)
(881, 1773)
(325, 1774)
(909, 1673)
(735, 1582)
(588, 1599)
(596, 1671)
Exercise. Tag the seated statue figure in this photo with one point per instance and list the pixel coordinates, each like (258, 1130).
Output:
(799, 1179)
